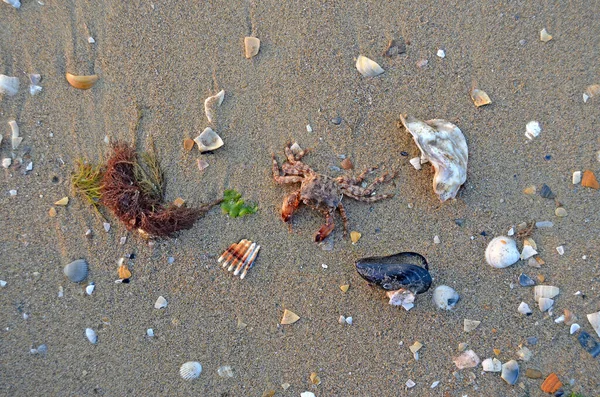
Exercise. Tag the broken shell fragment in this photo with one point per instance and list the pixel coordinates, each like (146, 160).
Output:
(355, 236)
(188, 144)
(445, 297)
(524, 354)
(212, 103)
(528, 252)
(524, 309)
(202, 165)
(9, 85)
(525, 280)
(544, 36)
(82, 82)
(470, 325)
(594, 319)
(402, 298)
(415, 162)
(225, 371)
(289, 317)
(466, 360)
(591, 91)
(479, 97)
(502, 252)
(251, 46)
(76, 271)
(208, 140)
(190, 370)
(444, 145)
(15, 139)
(589, 180)
(510, 372)
(406, 270)
(368, 67)
(90, 334)
(545, 291)
(574, 328)
(545, 304)
(491, 365)
(160, 303)
(551, 384)
(239, 257)
(62, 202)
(532, 130)
(14, 3)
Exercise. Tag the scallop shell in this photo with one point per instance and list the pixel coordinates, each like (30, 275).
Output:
(510, 372)
(445, 297)
(368, 67)
(208, 140)
(594, 319)
(212, 103)
(91, 335)
(190, 370)
(545, 291)
(406, 270)
(479, 97)
(491, 365)
(251, 46)
(239, 257)
(502, 252)
(76, 271)
(82, 82)
(9, 85)
(444, 145)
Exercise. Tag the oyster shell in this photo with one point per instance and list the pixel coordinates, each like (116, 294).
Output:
(368, 67)
(208, 140)
(445, 297)
(190, 370)
(406, 270)
(444, 145)
(9, 85)
(502, 252)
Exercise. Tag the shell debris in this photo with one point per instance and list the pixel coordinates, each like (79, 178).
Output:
(532, 130)
(589, 180)
(368, 67)
(590, 92)
(90, 334)
(545, 36)
(594, 319)
(15, 138)
(445, 297)
(160, 303)
(82, 82)
(355, 236)
(239, 257)
(208, 140)
(480, 97)
(289, 317)
(251, 47)
(470, 325)
(9, 85)
(62, 202)
(14, 3)
(551, 384)
(466, 360)
(212, 103)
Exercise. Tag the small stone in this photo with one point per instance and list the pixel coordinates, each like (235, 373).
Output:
(52, 212)
(533, 373)
(336, 120)
(271, 393)
(347, 164)
(560, 212)
(544, 224)
(160, 303)
(459, 222)
(123, 240)
(188, 144)
(422, 63)
(62, 202)
(576, 177)
(441, 53)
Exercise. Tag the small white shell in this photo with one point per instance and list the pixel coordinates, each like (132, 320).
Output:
(532, 130)
(415, 162)
(14, 3)
(444, 145)
(190, 370)
(502, 252)
(211, 103)
(528, 252)
(470, 325)
(491, 365)
(160, 303)
(524, 308)
(545, 304)
(6, 162)
(545, 291)
(9, 85)
(594, 319)
(368, 67)
(90, 288)
(15, 139)
(208, 140)
(91, 335)
(574, 328)
(76, 271)
(445, 297)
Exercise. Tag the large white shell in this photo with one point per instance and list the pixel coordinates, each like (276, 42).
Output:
(212, 103)
(594, 319)
(545, 291)
(91, 335)
(368, 67)
(76, 271)
(208, 140)
(445, 297)
(444, 145)
(491, 365)
(9, 85)
(502, 252)
(15, 138)
(190, 370)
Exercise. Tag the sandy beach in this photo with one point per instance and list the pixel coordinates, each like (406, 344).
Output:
(158, 61)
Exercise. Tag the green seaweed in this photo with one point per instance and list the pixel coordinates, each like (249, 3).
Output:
(234, 206)
(87, 181)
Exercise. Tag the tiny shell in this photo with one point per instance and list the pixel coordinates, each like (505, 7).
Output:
(445, 297)
(444, 145)
(76, 271)
(545, 304)
(90, 288)
(560, 212)
(91, 335)
(239, 257)
(62, 202)
(524, 308)
(591, 91)
(9, 85)
(510, 372)
(467, 360)
(532, 130)
(479, 97)
(355, 236)
(502, 252)
(251, 46)
(289, 317)
(594, 319)
(15, 139)
(470, 325)
(491, 365)
(82, 82)
(160, 303)
(368, 67)
(190, 370)
(208, 140)
(212, 103)
(544, 36)
(589, 180)
(551, 384)
(545, 291)
(574, 328)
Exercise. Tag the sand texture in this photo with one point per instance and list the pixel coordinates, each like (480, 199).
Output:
(158, 61)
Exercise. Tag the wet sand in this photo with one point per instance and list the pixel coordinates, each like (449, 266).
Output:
(161, 60)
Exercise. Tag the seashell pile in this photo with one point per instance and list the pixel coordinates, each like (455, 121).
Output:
(502, 252)
(240, 257)
(190, 370)
(444, 145)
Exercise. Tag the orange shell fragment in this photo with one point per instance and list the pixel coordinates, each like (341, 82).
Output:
(551, 384)
(124, 272)
(589, 180)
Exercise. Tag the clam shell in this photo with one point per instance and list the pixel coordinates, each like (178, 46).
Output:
(208, 140)
(9, 85)
(545, 291)
(502, 252)
(510, 372)
(251, 46)
(91, 335)
(445, 297)
(190, 370)
(406, 270)
(594, 319)
(212, 103)
(76, 271)
(479, 97)
(82, 82)
(491, 365)
(368, 67)
(444, 145)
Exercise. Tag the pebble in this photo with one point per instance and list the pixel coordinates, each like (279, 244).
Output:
(441, 53)
(336, 120)
(560, 212)
(160, 303)
(532, 340)
(533, 373)
(12, 192)
(576, 177)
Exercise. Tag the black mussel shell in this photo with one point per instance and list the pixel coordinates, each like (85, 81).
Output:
(407, 270)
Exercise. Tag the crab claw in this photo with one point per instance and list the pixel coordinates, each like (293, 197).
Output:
(325, 230)
(290, 203)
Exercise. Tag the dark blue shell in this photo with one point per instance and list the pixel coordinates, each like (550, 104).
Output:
(407, 270)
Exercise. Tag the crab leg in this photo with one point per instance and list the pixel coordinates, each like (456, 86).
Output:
(344, 217)
(283, 179)
(326, 229)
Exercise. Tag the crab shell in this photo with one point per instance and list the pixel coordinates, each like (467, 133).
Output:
(444, 145)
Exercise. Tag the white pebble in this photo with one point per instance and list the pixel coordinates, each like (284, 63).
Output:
(308, 128)
(150, 332)
(560, 249)
(2, 283)
(436, 239)
(91, 40)
(533, 129)
(160, 303)
(441, 53)
(12, 192)
(576, 177)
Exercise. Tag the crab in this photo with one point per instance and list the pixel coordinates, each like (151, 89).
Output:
(321, 192)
